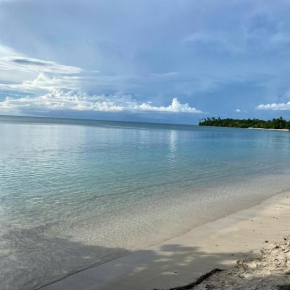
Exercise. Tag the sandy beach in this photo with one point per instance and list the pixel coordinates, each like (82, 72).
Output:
(181, 260)
(144, 145)
(285, 130)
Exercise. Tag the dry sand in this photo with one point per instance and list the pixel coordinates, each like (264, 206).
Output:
(269, 271)
(287, 130)
(219, 244)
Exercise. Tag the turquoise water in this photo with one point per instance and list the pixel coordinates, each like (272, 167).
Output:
(76, 193)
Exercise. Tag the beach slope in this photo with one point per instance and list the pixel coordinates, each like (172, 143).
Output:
(181, 260)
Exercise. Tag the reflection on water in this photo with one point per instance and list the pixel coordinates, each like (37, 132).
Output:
(172, 145)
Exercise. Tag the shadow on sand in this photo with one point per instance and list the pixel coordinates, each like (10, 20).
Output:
(51, 259)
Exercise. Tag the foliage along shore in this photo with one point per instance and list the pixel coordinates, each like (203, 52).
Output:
(280, 123)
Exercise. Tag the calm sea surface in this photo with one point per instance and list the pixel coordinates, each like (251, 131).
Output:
(74, 193)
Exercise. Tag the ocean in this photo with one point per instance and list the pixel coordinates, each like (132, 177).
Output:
(78, 193)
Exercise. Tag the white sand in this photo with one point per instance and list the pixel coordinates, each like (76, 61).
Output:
(287, 130)
(181, 260)
(271, 270)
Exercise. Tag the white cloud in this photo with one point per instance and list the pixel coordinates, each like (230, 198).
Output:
(240, 111)
(44, 82)
(175, 107)
(275, 107)
(27, 64)
(5, 51)
(76, 101)
(19, 72)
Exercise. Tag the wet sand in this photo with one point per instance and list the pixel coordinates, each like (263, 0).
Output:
(181, 260)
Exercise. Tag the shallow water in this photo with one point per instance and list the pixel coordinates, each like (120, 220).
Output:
(77, 193)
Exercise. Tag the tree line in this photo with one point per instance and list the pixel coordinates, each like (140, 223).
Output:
(278, 123)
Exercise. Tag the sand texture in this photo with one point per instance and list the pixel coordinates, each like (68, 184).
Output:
(269, 271)
(219, 244)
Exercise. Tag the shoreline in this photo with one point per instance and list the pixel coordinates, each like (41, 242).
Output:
(182, 259)
(285, 130)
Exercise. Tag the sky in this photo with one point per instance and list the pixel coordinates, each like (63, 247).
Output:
(154, 61)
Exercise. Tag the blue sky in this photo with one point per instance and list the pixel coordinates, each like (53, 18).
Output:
(159, 61)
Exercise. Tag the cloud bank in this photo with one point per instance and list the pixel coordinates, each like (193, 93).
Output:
(76, 101)
(275, 107)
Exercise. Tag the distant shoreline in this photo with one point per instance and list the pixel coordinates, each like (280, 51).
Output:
(275, 124)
